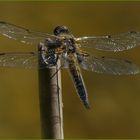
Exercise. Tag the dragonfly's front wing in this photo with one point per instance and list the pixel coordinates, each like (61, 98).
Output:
(22, 34)
(114, 43)
(108, 65)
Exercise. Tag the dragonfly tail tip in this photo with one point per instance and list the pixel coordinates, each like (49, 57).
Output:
(87, 106)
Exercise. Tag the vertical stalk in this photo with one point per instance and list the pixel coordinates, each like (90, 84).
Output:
(50, 96)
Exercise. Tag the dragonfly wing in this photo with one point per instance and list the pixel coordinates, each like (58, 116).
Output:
(114, 43)
(23, 60)
(108, 65)
(22, 34)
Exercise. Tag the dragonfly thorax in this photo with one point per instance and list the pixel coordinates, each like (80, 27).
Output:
(69, 45)
(52, 44)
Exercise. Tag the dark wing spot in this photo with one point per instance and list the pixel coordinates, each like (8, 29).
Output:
(133, 32)
(3, 22)
(2, 53)
(109, 36)
(28, 31)
(127, 61)
(32, 53)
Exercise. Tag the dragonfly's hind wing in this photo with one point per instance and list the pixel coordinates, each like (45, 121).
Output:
(108, 65)
(22, 34)
(21, 60)
(114, 43)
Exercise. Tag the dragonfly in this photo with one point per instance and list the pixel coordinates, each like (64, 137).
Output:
(72, 51)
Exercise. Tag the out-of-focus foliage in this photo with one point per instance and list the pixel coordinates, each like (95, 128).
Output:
(114, 100)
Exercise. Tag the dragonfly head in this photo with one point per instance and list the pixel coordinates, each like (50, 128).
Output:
(61, 30)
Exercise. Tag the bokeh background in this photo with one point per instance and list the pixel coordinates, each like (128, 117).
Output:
(114, 100)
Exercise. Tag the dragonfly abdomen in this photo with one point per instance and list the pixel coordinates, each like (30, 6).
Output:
(79, 83)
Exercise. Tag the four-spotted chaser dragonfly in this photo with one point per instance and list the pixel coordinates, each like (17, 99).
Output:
(71, 50)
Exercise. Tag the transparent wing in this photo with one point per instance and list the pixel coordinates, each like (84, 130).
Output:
(108, 65)
(22, 34)
(114, 43)
(26, 60)
(23, 60)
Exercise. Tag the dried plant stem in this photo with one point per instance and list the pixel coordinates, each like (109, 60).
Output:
(50, 96)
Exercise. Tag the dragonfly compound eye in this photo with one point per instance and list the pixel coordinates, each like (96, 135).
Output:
(61, 29)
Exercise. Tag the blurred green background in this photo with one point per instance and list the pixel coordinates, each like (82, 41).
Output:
(114, 100)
